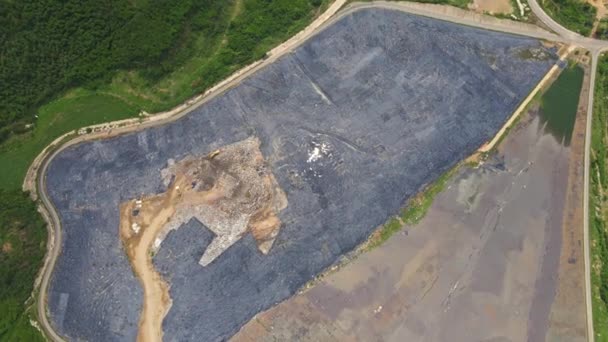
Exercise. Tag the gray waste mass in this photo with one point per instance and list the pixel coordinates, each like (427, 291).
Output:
(394, 100)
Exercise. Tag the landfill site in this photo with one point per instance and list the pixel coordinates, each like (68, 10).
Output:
(497, 258)
(186, 231)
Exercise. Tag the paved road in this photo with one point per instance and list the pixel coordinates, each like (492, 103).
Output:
(437, 12)
(53, 244)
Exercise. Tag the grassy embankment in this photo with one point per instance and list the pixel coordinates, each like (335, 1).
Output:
(414, 211)
(598, 205)
(576, 15)
(561, 99)
(74, 110)
(602, 29)
(111, 65)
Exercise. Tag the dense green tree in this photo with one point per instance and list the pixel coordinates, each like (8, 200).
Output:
(22, 247)
(576, 15)
(47, 46)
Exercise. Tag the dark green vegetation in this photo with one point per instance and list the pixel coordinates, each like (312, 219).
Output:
(419, 205)
(22, 240)
(598, 205)
(576, 15)
(77, 63)
(559, 103)
(602, 29)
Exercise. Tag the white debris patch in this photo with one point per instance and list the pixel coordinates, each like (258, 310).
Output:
(521, 8)
(319, 151)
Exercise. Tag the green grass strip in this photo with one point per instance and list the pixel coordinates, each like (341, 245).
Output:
(598, 208)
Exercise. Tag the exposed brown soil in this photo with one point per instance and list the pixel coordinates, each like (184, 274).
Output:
(492, 6)
(601, 13)
(231, 191)
(7, 247)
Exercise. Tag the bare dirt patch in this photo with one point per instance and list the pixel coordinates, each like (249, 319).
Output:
(492, 6)
(7, 247)
(231, 191)
(601, 13)
(601, 7)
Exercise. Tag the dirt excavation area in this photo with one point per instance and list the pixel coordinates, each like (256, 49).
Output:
(498, 257)
(231, 191)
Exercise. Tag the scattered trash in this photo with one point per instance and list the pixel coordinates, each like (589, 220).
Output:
(319, 150)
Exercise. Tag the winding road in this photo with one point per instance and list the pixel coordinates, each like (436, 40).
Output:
(433, 11)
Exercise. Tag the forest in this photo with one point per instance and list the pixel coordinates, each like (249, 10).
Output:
(22, 245)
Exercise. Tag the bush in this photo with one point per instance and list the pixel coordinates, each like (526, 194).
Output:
(576, 15)
(22, 247)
